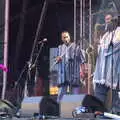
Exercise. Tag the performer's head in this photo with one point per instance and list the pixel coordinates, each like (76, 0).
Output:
(65, 36)
(110, 22)
(108, 18)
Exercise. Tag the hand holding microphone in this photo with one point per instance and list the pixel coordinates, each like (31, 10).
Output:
(58, 59)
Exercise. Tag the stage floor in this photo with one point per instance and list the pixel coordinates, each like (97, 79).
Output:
(61, 119)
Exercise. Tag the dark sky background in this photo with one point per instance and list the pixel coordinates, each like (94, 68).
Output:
(23, 26)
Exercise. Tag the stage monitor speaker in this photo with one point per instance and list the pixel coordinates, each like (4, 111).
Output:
(46, 105)
(31, 105)
(49, 106)
(70, 102)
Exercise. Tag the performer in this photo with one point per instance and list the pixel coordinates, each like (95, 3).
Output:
(107, 70)
(71, 65)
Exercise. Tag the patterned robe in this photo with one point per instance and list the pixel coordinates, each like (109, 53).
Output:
(107, 69)
(69, 67)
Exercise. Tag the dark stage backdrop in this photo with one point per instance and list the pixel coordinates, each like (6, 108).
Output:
(24, 18)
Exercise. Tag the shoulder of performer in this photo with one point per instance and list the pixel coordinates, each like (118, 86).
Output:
(73, 43)
(60, 45)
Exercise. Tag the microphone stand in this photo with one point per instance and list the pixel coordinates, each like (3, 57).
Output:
(34, 65)
(27, 68)
(37, 56)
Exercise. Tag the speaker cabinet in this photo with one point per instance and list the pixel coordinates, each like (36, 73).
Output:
(46, 105)
(69, 103)
(49, 106)
(31, 105)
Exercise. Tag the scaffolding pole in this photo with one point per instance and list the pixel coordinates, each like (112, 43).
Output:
(90, 22)
(83, 36)
(90, 42)
(6, 34)
(81, 22)
(75, 7)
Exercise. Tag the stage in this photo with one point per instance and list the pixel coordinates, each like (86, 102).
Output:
(37, 108)
(89, 116)
(62, 119)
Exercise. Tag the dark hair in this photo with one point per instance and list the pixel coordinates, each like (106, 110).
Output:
(65, 31)
(109, 13)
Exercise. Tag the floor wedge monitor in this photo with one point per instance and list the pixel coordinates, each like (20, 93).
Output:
(70, 102)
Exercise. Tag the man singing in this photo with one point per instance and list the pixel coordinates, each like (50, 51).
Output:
(71, 65)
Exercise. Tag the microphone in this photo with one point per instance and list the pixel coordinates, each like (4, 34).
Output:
(106, 27)
(42, 41)
(109, 27)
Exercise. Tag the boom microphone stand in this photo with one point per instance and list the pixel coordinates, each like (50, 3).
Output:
(28, 66)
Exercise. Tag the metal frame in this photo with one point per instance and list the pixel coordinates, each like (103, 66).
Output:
(6, 35)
